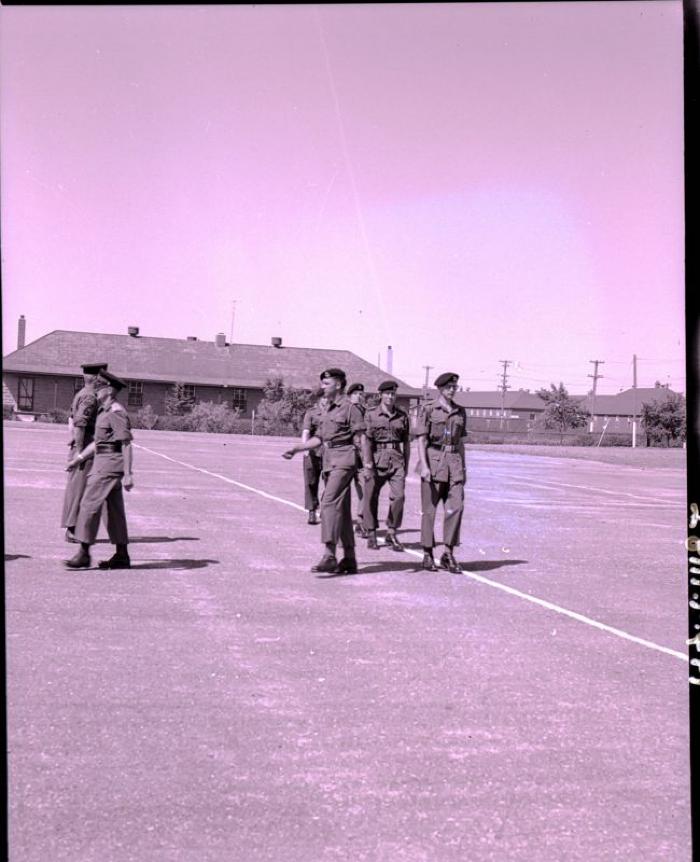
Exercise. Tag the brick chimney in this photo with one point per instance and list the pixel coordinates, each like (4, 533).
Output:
(21, 332)
(220, 339)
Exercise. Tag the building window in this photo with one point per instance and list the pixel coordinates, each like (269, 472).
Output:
(532, 417)
(239, 400)
(188, 392)
(78, 383)
(25, 393)
(135, 393)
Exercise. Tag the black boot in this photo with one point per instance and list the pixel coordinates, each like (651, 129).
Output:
(447, 561)
(328, 563)
(80, 561)
(313, 518)
(428, 564)
(348, 566)
(392, 542)
(372, 543)
(117, 561)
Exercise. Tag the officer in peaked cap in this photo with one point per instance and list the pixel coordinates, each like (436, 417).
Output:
(356, 394)
(441, 428)
(111, 468)
(81, 425)
(313, 459)
(340, 429)
(386, 453)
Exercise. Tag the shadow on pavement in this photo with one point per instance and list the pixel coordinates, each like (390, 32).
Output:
(174, 564)
(371, 570)
(488, 565)
(10, 557)
(143, 540)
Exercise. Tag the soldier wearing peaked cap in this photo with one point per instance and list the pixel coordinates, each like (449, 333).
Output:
(313, 459)
(340, 429)
(441, 428)
(111, 449)
(81, 425)
(386, 453)
(356, 394)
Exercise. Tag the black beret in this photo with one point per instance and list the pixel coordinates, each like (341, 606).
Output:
(333, 372)
(106, 378)
(356, 387)
(387, 385)
(447, 377)
(93, 367)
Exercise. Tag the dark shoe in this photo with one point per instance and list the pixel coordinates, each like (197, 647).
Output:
(428, 564)
(118, 561)
(372, 543)
(447, 561)
(392, 542)
(313, 518)
(360, 531)
(70, 536)
(80, 561)
(348, 566)
(327, 564)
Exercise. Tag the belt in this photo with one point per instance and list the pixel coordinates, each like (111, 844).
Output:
(444, 447)
(337, 445)
(396, 446)
(104, 448)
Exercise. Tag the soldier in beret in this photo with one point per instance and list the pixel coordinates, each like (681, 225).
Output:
(386, 453)
(356, 394)
(441, 428)
(81, 425)
(340, 429)
(313, 459)
(111, 468)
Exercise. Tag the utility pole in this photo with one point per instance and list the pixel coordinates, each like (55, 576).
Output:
(596, 377)
(428, 369)
(634, 394)
(504, 387)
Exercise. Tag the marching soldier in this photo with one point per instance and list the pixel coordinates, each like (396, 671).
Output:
(81, 424)
(441, 428)
(340, 429)
(313, 459)
(386, 452)
(356, 394)
(111, 468)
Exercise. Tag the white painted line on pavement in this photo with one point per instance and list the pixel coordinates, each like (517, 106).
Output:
(219, 476)
(534, 599)
(552, 485)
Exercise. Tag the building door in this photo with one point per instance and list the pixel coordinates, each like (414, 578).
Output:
(25, 400)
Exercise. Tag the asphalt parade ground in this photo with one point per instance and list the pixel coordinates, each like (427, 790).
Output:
(219, 702)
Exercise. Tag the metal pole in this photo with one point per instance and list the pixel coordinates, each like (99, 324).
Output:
(252, 423)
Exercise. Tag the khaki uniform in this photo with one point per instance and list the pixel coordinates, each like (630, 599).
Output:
(445, 431)
(104, 483)
(387, 434)
(83, 413)
(336, 426)
(359, 480)
(313, 460)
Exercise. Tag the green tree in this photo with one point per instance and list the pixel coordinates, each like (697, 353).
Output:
(282, 408)
(664, 420)
(561, 411)
(177, 402)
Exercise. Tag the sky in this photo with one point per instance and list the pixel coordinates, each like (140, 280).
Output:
(468, 183)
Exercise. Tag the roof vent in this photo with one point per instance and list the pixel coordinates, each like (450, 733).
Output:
(191, 337)
(133, 331)
(220, 339)
(275, 341)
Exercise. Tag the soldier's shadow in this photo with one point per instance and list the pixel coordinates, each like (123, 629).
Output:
(174, 564)
(372, 569)
(156, 540)
(489, 565)
(10, 557)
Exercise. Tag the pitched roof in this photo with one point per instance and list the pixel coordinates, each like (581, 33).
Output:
(196, 362)
(623, 404)
(518, 400)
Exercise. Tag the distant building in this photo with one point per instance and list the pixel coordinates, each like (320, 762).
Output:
(618, 411)
(44, 375)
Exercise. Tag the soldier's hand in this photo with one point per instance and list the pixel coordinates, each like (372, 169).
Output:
(425, 473)
(289, 454)
(368, 472)
(72, 464)
(128, 482)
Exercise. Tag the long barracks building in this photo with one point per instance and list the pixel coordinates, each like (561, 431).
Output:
(44, 375)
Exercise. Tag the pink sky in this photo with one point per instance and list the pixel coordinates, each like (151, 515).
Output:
(468, 183)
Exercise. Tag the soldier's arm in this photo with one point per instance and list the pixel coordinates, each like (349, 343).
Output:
(81, 456)
(128, 455)
(301, 446)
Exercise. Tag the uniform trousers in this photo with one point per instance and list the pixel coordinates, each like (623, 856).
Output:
(336, 510)
(75, 488)
(104, 487)
(396, 477)
(313, 467)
